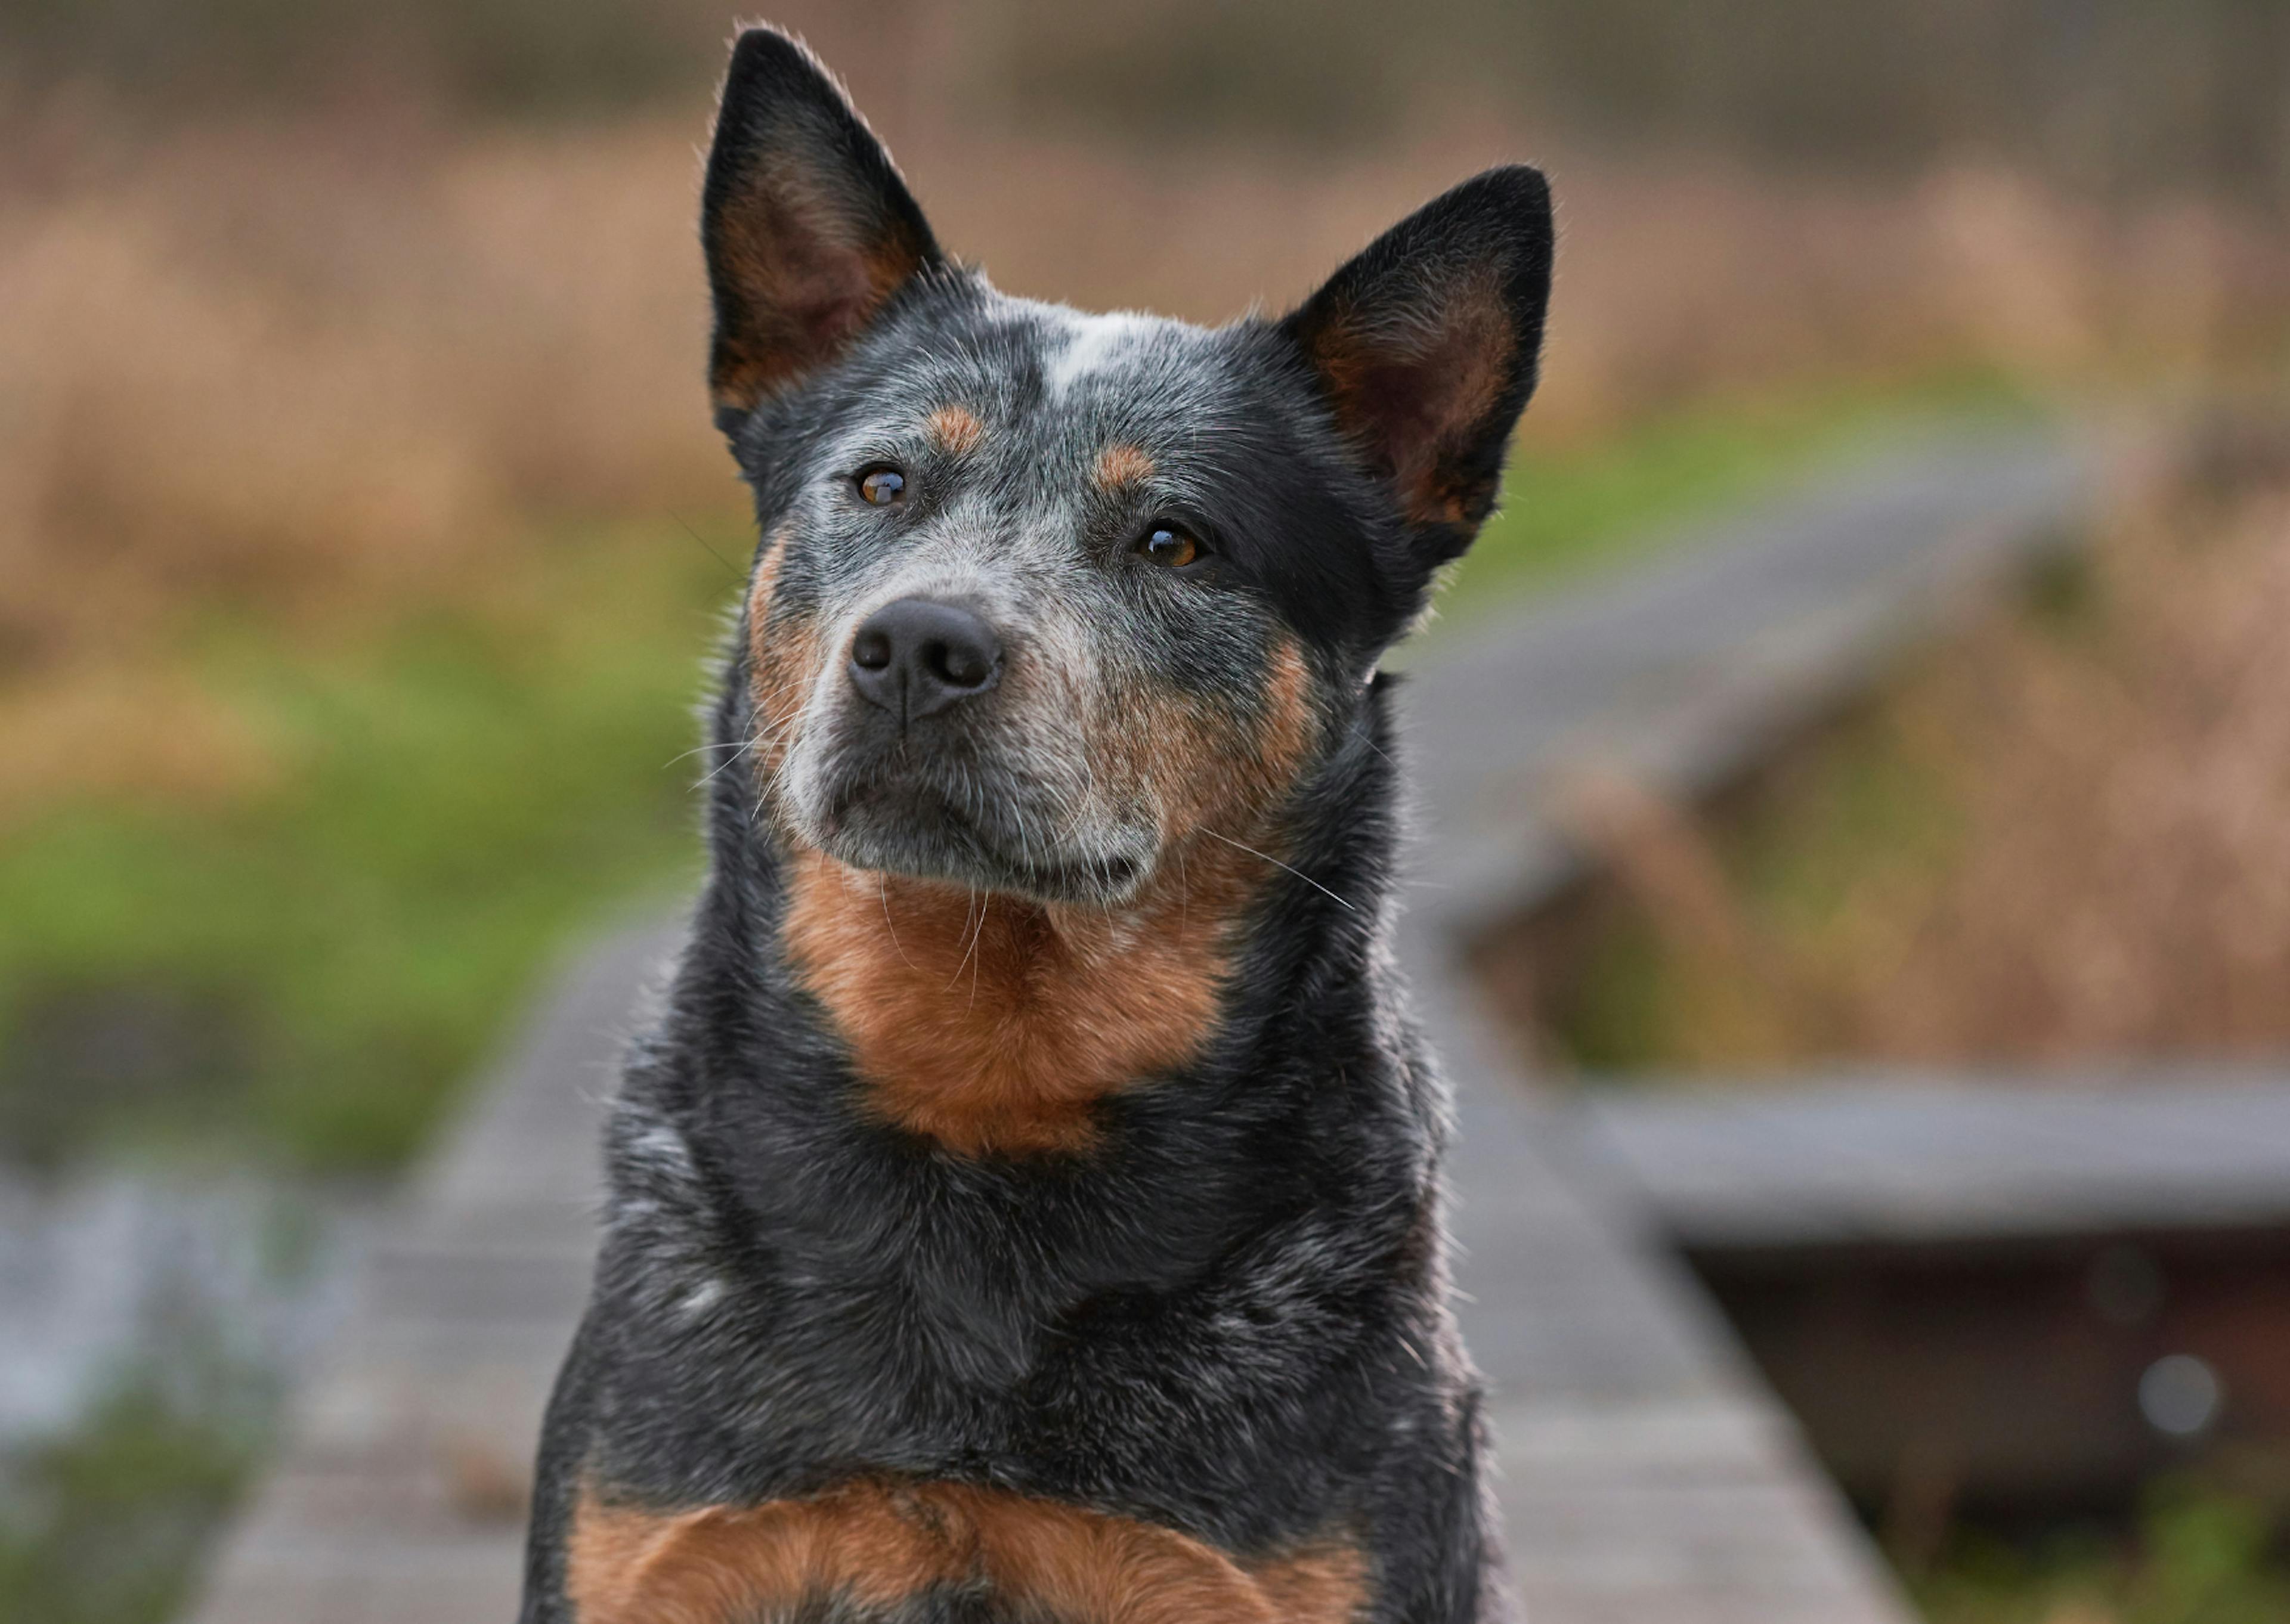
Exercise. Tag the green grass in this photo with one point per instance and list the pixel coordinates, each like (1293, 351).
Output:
(1860, 807)
(105, 1524)
(310, 971)
(315, 969)
(2200, 1554)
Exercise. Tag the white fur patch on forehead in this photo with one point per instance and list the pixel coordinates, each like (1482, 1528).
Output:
(1098, 343)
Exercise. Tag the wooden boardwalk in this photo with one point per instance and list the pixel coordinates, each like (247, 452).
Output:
(1901, 1158)
(1648, 1479)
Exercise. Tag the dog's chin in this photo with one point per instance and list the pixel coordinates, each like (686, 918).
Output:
(915, 831)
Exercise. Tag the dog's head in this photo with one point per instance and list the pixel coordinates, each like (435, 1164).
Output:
(1043, 597)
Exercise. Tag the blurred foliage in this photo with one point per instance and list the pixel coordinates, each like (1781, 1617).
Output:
(516, 57)
(105, 1524)
(2200, 1554)
(1864, 811)
(313, 966)
(2100, 94)
(2042, 840)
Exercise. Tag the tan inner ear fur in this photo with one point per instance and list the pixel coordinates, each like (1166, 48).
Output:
(991, 1023)
(1419, 394)
(804, 285)
(876, 1543)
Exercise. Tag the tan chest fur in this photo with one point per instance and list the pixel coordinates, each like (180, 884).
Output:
(875, 1544)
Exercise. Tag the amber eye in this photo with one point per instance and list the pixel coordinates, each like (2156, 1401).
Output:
(1167, 545)
(880, 487)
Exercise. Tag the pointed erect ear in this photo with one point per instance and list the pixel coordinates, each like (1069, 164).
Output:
(808, 229)
(1425, 348)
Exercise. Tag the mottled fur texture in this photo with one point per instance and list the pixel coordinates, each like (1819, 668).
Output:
(1027, 1205)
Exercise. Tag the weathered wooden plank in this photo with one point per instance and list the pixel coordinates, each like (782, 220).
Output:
(399, 1494)
(1891, 1159)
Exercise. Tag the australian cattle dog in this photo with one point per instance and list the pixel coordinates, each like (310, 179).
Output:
(1025, 1206)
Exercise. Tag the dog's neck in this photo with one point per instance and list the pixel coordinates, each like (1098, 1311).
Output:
(995, 1024)
(992, 1024)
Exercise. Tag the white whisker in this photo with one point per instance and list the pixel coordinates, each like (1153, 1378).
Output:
(701, 750)
(971, 948)
(1276, 863)
(717, 771)
(883, 885)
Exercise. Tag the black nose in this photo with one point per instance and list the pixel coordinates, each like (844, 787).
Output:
(917, 656)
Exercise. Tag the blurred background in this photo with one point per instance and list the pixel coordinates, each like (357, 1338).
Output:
(361, 535)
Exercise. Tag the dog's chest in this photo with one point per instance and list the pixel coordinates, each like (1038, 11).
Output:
(884, 1551)
(882, 1368)
(1128, 1398)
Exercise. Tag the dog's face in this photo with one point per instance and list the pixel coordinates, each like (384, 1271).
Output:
(1019, 623)
(1044, 599)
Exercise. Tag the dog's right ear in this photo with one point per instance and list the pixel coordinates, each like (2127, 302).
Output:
(808, 229)
(1427, 346)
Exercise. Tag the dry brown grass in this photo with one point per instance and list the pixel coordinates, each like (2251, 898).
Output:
(253, 366)
(2124, 880)
(328, 371)
(2097, 859)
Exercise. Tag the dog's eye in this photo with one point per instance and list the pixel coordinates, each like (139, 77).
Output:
(881, 486)
(1167, 545)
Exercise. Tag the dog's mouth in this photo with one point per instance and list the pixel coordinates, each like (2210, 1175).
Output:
(982, 835)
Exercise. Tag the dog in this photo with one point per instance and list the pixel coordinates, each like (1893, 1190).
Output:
(1025, 1206)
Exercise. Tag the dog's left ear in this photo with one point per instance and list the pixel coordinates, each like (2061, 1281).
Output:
(1426, 347)
(807, 226)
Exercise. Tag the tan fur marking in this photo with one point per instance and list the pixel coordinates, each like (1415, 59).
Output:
(782, 659)
(1289, 723)
(624, 1565)
(1206, 771)
(992, 1023)
(955, 429)
(1122, 465)
(1325, 1584)
(767, 574)
(877, 1542)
